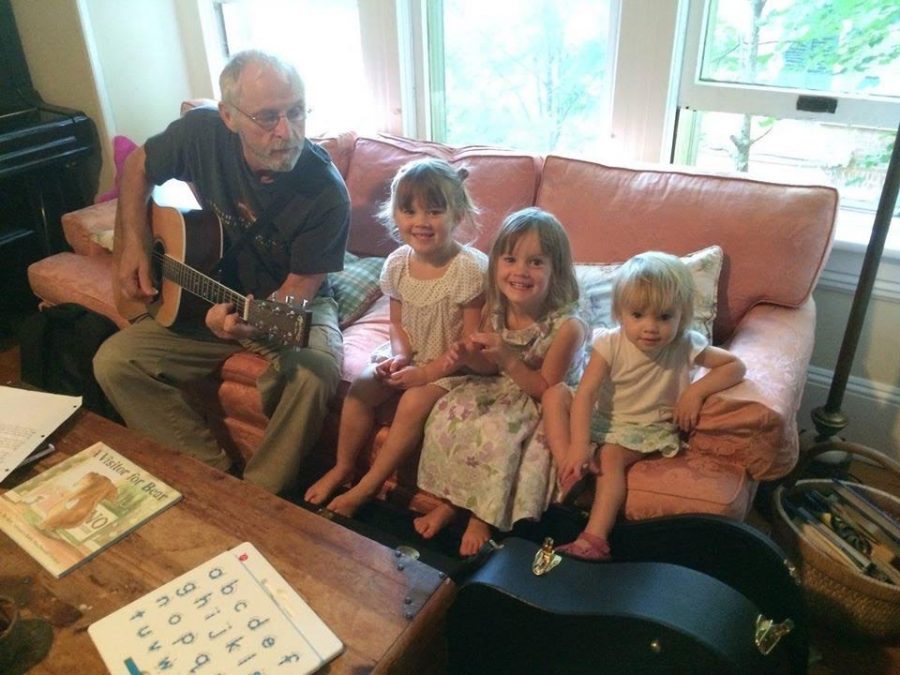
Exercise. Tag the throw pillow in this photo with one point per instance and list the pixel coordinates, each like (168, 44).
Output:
(122, 147)
(595, 285)
(356, 287)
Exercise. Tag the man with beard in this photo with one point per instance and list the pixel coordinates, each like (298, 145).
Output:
(248, 161)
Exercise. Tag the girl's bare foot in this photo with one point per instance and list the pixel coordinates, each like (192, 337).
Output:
(321, 490)
(347, 503)
(476, 534)
(434, 521)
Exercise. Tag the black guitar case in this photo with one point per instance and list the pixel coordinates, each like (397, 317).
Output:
(731, 551)
(614, 617)
(683, 595)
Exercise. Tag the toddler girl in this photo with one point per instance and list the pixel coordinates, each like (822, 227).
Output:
(482, 452)
(636, 392)
(435, 285)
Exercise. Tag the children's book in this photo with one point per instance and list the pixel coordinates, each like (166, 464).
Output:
(233, 614)
(72, 511)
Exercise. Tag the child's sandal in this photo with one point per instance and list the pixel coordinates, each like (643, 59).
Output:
(587, 547)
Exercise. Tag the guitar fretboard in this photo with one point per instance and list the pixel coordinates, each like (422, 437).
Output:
(199, 284)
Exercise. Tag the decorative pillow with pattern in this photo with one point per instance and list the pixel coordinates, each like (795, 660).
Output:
(356, 286)
(595, 285)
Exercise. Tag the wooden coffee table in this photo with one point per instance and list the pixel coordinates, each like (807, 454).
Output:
(387, 609)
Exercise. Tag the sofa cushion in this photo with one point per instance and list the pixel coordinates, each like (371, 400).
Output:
(499, 182)
(371, 330)
(689, 482)
(81, 227)
(595, 285)
(84, 280)
(776, 238)
(356, 286)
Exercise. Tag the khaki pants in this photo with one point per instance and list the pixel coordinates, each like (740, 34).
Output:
(142, 370)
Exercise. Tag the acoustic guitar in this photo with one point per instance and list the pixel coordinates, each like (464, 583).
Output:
(188, 241)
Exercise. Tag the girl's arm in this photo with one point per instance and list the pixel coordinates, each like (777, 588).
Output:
(401, 349)
(468, 353)
(416, 376)
(558, 360)
(725, 370)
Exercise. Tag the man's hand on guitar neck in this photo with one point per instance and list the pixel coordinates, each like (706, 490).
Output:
(227, 324)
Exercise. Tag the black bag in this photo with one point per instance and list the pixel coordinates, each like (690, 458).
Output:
(57, 347)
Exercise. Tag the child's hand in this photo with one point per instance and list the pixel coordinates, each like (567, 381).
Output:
(407, 377)
(390, 365)
(687, 410)
(576, 464)
(493, 348)
(457, 355)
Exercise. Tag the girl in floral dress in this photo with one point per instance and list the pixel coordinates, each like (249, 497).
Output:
(436, 287)
(482, 451)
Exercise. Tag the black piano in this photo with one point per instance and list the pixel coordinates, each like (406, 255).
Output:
(49, 165)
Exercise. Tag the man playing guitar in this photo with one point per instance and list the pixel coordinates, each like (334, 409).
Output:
(284, 214)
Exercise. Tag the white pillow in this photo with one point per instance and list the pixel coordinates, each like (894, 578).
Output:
(104, 238)
(595, 285)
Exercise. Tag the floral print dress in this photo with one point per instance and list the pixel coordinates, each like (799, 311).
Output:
(484, 448)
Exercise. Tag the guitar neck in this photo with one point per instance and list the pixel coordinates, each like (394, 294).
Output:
(199, 284)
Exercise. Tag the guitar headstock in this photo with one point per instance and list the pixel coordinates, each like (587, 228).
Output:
(283, 322)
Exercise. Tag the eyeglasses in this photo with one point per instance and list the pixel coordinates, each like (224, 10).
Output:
(268, 119)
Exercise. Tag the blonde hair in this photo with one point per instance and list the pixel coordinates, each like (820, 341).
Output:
(654, 282)
(554, 244)
(436, 185)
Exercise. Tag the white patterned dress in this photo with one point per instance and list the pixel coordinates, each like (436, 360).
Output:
(484, 449)
(432, 309)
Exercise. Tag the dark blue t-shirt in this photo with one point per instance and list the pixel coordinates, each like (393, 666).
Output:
(307, 236)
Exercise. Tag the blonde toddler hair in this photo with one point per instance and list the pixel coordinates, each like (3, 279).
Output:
(654, 282)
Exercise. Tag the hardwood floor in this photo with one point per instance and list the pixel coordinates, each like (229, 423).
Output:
(833, 653)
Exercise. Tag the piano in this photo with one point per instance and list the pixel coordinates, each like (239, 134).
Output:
(49, 165)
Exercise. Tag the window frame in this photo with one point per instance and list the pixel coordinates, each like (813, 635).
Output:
(695, 94)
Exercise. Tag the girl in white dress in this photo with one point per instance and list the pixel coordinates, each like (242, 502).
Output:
(435, 285)
(636, 392)
(483, 454)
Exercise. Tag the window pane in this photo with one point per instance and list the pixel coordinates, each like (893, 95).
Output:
(526, 74)
(838, 46)
(852, 159)
(322, 40)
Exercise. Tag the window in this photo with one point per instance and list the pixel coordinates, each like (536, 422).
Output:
(322, 39)
(527, 74)
(794, 90)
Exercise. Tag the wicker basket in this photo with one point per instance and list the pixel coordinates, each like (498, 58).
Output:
(837, 594)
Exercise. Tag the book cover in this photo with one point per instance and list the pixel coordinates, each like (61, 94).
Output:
(74, 510)
(233, 614)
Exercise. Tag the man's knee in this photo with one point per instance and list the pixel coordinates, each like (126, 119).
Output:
(308, 375)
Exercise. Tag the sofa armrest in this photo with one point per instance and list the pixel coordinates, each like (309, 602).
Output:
(755, 422)
(83, 227)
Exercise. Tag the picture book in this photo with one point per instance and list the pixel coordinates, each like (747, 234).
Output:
(233, 614)
(72, 511)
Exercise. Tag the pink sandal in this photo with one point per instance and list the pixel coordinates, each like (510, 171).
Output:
(587, 546)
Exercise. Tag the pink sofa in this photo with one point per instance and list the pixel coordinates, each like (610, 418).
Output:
(776, 239)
